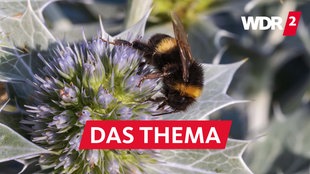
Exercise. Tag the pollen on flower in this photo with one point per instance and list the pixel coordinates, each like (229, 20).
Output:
(91, 80)
(84, 115)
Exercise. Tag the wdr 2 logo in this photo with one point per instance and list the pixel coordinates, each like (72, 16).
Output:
(273, 23)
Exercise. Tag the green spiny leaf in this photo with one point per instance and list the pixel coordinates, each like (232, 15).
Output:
(227, 160)
(14, 146)
(11, 8)
(26, 31)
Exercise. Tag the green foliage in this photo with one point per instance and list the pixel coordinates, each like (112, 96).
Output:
(22, 26)
(290, 133)
(13, 146)
(188, 10)
(227, 160)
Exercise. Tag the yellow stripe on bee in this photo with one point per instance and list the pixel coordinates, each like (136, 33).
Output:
(166, 45)
(188, 90)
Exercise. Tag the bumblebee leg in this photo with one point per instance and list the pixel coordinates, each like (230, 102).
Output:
(165, 113)
(122, 42)
(162, 100)
(158, 99)
(152, 76)
(141, 66)
(167, 71)
(149, 76)
(162, 105)
(118, 42)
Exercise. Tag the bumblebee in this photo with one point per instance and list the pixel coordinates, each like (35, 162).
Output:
(182, 76)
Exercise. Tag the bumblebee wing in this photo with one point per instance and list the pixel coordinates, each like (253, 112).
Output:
(184, 48)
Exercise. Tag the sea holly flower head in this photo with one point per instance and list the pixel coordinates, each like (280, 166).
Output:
(89, 80)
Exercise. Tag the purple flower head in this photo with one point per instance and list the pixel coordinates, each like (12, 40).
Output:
(88, 80)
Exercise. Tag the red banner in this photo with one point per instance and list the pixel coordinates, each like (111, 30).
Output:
(155, 134)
